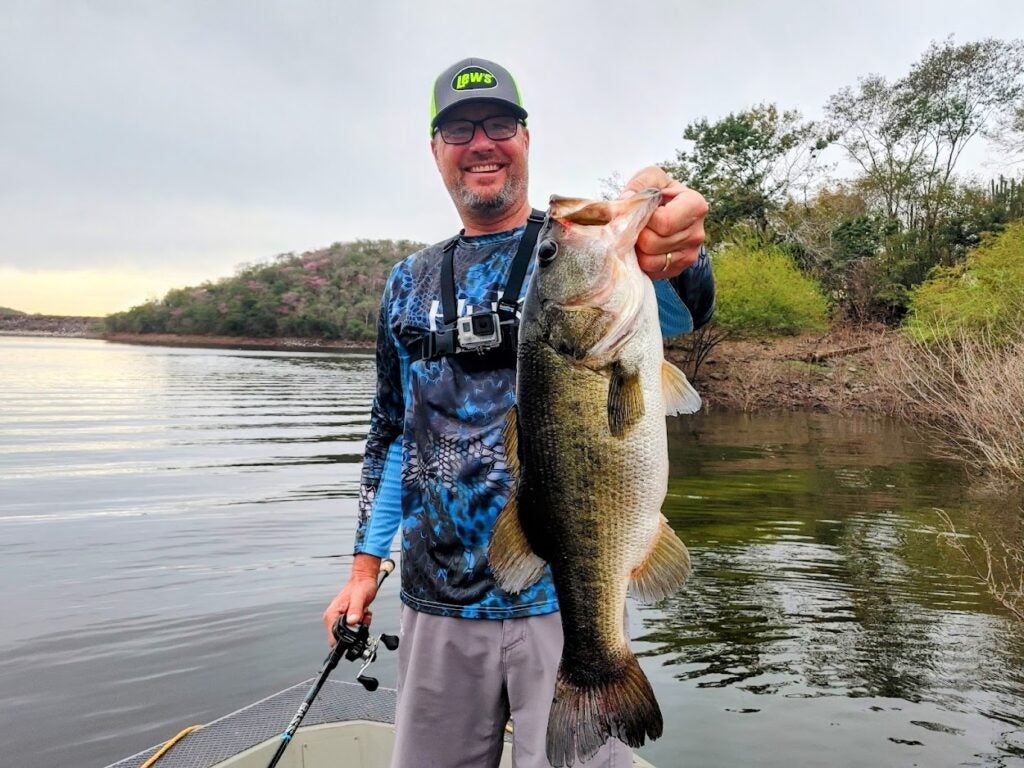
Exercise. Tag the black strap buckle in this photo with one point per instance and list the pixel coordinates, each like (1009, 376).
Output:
(439, 343)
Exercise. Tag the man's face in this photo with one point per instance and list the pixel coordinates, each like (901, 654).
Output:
(486, 178)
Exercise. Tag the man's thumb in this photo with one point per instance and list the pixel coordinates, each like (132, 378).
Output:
(355, 613)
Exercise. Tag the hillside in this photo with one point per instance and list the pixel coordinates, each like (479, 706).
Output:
(332, 293)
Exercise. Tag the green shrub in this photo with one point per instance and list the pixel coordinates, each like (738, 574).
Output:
(760, 292)
(985, 295)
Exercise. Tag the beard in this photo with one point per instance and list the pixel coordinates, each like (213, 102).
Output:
(490, 203)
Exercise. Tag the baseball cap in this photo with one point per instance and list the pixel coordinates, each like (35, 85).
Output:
(474, 80)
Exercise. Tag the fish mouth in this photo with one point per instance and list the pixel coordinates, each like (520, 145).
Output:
(575, 210)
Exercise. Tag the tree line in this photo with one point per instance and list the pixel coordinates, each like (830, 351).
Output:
(871, 237)
(333, 293)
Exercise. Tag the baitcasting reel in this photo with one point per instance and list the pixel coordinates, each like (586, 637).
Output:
(359, 645)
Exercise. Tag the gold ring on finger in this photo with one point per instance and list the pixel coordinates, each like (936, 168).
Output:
(668, 262)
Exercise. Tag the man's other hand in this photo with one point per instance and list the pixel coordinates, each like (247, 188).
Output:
(672, 239)
(353, 601)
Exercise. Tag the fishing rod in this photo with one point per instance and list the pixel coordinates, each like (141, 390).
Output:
(353, 643)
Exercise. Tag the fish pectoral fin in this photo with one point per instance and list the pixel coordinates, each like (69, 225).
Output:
(625, 401)
(664, 569)
(513, 561)
(680, 396)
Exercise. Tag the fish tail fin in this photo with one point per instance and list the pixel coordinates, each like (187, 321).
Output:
(584, 716)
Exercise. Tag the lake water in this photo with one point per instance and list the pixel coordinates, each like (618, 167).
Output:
(173, 521)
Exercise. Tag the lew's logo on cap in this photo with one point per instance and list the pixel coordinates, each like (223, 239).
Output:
(473, 77)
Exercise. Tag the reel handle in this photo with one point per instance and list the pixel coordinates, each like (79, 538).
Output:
(369, 683)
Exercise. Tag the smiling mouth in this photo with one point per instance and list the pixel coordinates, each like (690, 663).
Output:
(484, 168)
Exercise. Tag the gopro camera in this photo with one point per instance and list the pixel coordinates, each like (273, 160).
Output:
(479, 331)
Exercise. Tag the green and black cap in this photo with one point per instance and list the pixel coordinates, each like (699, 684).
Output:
(474, 80)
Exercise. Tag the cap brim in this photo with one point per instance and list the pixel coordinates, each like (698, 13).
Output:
(515, 109)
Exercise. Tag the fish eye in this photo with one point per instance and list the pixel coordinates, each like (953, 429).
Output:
(546, 252)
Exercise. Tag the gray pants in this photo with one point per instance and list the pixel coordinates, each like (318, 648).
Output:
(460, 680)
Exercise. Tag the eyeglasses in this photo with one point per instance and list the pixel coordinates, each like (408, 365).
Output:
(497, 128)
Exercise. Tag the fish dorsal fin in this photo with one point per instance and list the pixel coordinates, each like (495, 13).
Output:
(665, 568)
(625, 400)
(513, 561)
(680, 396)
(510, 437)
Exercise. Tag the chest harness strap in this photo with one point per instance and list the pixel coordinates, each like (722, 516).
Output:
(444, 341)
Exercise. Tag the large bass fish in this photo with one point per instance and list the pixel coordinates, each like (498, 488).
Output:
(588, 453)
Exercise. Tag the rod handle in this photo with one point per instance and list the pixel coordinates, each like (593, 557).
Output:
(387, 565)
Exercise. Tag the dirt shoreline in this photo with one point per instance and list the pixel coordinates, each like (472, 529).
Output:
(847, 370)
(293, 344)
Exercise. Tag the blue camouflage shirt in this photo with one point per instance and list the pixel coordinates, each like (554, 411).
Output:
(434, 464)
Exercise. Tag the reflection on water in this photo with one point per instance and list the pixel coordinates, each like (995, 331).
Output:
(172, 522)
(819, 589)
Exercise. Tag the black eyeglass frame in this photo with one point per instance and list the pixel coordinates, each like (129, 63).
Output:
(516, 122)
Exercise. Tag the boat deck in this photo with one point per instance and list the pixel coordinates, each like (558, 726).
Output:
(266, 719)
(346, 725)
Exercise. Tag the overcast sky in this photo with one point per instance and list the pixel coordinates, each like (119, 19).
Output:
(147, 145)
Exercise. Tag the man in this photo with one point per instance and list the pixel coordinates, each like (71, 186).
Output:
(473, 656)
